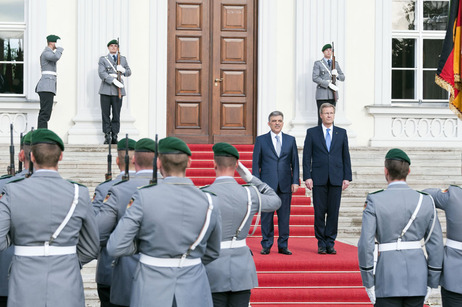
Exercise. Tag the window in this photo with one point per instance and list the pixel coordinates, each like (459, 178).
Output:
(12, 27)
(418, 30)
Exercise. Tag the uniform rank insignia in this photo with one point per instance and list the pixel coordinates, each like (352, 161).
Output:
(1, 195)
(94, 196)
(365, 205)
(107, 197)
(130, 203)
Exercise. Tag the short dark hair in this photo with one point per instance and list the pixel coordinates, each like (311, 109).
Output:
(326, 105)
(26, 149)
(224, 161)
(397, 169)
(174, 163)
(275, 113)
(144, 159)
(46, 155)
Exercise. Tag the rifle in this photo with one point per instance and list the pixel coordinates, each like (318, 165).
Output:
(10, 168)
(119, 74)
(31, 164)
(334, 78)
(108, 175)
(154, 164)
(126, 176)
(21, 148)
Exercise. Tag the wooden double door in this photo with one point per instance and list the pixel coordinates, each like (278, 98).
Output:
(211, 88)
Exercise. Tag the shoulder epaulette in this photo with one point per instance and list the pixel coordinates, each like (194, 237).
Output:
(422, 192)
(147, 186)
(377, 191)
(105, 181)
(6, 176)
(82, 185)
(17, 180)
(210, 192)
(120, 182)
(205, 186)
(455, 185)
(247, 185)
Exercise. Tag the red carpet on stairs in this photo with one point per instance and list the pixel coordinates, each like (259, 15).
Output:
(304, 278)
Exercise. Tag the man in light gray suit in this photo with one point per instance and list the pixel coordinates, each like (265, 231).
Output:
(46, 87)
(233, 274)
(323, 73)
(450, 200)
(52, 226)
(112, 89)
(398, 218)
(176, 228)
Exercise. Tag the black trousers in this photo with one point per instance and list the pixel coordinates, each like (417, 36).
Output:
(104, 293)
(231, 299)
(267, 223)
(319, 103)
(108, 103)
(451, 299)
(405, 301)
(46, 105)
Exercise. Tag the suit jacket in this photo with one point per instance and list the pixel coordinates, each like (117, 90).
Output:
(48, 59)
(276, 171)
(322, 77)
(324, 166)
(106, 68)
(451, 202)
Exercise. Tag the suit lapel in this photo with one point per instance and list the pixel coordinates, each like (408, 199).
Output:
(321, 137)
(270, 143)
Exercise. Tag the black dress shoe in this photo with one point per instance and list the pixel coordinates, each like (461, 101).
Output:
(284, 251)
(331, 250)
(114, 139)
(265, 251)
(322, 250)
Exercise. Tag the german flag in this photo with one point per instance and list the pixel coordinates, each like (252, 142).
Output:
(449, 66)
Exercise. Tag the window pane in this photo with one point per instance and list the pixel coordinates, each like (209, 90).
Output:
(403, 53)
(11, 10)
(403, 14)
(402, 84)
(431, 52)
(11, 44)
(11, 78)
(435, 15)
(430, 89)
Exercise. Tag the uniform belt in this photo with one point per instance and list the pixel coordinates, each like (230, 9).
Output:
(44, 250)
(168, 262)
(454, 244)
(233, 244)
(49, 72)
(399, 245)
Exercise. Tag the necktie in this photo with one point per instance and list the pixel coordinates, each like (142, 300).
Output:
(329, 62)
(115, 58)
(278, 146)
(328, 139)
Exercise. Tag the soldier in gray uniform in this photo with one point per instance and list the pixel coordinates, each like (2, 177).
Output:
(108, 71)
(112, 210)
(52, 226)
(176, 229)
(104, 265)
(322, 76)
(450, 201)
(399, 218)
(46, 87)
(233, 274)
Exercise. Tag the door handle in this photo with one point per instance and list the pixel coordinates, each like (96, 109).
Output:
(218, 80)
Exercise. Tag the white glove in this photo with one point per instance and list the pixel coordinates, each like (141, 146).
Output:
(429, 291)
(334, 72)
(118, 83)
(371, 293)
(59, 43)
(120, 68)
(244, 172)
(113, 75)
(333, 87)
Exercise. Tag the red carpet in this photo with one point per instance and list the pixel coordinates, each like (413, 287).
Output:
(304, 278)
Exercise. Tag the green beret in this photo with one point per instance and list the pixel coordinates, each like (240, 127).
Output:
(326, 46)
(225, 149)
(122, 142)
(145, 145)
(114, 41)
(173, 145)
(46, 136)
(397, 154)
(26, 138)
(52, 38)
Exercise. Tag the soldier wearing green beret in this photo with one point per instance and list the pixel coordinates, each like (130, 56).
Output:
(178, 230)
(46, 86)
(111, 68)
(323, 73)
(233, 274)
(52, 227)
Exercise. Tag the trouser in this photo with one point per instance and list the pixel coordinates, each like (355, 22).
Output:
(46, 105)
(108, 103)
(267, 223)
(404, 301)
(451, 299)
(326, 203)
(3, 301)
(320, 102)
(231, 299)
(104, 294)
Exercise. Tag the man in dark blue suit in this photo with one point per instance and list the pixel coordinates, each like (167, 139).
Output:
(275, 162)
(327, 171)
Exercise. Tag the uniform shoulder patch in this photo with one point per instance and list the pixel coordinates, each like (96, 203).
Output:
(73, 182)
(130, 203)
(209, 192)
(377, 191)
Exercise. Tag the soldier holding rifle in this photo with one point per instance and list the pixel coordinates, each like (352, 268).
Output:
(111, 68)
(325, 74)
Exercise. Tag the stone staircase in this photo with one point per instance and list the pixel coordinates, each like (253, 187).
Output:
(430, 168)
